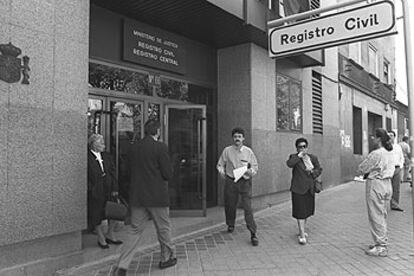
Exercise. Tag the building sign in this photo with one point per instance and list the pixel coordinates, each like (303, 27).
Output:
(361, 23)
(153, 47)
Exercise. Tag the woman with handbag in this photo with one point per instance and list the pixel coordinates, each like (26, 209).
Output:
(102, 187)
(305, 169)
(378, 167)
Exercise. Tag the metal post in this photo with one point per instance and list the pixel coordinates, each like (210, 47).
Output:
(410, 81)
(298, 16)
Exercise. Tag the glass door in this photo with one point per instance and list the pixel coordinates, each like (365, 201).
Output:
(125, 128)
(95, 118)
(186, 138)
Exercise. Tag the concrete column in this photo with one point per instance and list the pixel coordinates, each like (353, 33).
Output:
(234, 107)
(43, 132)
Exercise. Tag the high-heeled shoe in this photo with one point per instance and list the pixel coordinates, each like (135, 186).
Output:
(103, 246)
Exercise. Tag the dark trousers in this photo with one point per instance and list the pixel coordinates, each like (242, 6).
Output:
(232, 190)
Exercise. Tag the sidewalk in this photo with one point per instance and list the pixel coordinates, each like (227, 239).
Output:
(338, 235)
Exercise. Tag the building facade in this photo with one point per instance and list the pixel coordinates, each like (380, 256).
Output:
(366, 98)
(201, 67)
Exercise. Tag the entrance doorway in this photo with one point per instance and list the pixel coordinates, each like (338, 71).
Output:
(186, 138)
(374, 122)
(121, 122)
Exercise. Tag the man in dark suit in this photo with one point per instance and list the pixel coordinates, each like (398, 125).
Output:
(150, 170)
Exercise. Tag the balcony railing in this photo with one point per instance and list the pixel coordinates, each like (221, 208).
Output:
(355, 74)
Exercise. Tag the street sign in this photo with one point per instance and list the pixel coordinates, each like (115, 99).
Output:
(360, 23)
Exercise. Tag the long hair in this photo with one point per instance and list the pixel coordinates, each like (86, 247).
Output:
(385, 138)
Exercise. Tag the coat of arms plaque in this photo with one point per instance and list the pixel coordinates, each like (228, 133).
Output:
(11, 66)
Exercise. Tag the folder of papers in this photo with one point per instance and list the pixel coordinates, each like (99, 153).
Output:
(239, 172)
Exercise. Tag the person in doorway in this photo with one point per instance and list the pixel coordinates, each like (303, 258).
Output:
(396, 178)
(102, 185)
(150, 170)
(407, 159)
(233, 157)
(379, 166)
(305, 168)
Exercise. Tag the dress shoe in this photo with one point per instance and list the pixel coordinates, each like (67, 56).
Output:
(109, 241)
(170, 262)
(397, 209)
(103, 246)
(254, 240)
(230, 229)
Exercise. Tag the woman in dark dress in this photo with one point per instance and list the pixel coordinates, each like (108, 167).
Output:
(305, 168)
(102, 185)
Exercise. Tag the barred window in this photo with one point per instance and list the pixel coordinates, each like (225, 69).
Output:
(288, 103)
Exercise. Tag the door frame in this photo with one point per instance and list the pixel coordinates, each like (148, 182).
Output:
(202, 155)
(108, 128)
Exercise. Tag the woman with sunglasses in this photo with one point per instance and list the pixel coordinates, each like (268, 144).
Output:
(378, 167)
(305, 168)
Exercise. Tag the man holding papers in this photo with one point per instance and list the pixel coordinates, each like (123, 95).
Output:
(237, 165)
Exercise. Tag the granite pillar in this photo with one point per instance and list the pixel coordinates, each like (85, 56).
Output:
(43, 131)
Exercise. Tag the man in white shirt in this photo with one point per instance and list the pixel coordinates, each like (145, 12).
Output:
(396, 179)
(407, 159)
(234, 157)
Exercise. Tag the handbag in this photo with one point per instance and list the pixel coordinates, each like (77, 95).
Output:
(115, 209)
(317, 183)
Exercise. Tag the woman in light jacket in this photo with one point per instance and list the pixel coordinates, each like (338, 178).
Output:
(305, 168)
(378, 167)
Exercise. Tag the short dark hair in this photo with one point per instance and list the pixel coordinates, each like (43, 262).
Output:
(392, 131)
(301, 140)
(151, 127)
(405, 138)
(237, 130)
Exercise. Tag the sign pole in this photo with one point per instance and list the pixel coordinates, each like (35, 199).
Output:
(410, 81)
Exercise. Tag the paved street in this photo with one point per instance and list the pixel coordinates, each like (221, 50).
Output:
(338, 235)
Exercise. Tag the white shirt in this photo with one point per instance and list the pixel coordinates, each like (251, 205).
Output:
(379, 164)
(99, 158)
(233, 158)
(398, 155)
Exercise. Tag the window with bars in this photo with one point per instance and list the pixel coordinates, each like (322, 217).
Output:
(317, 114)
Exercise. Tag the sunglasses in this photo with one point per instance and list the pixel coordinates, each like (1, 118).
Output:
(302, 146)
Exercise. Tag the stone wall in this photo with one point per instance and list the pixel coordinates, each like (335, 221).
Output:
(43, 129)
